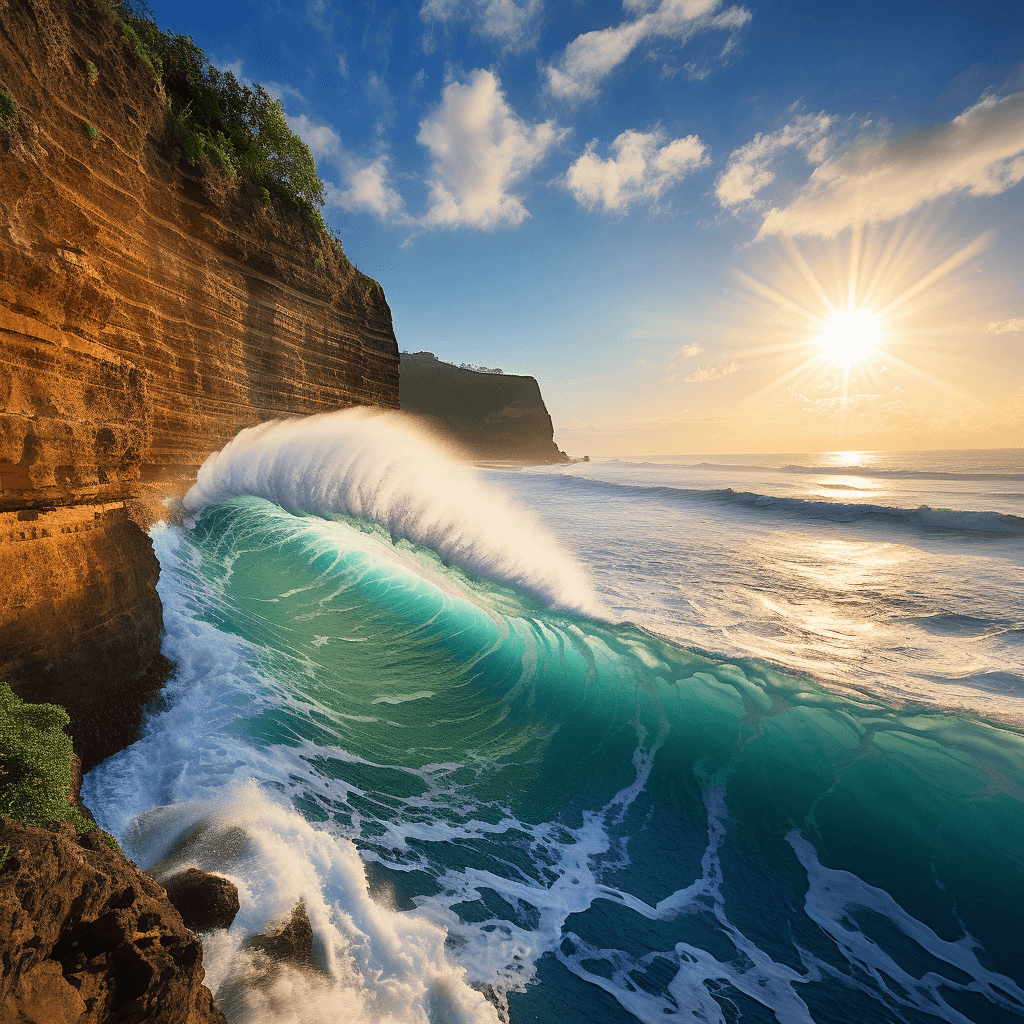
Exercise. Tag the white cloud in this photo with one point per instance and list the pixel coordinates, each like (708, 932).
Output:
(978, 153)
(703, 373)
(643, 166)
(1014, 326)
(276, 91)
(749, 169)
(366, 181)
(323, 141)
(480, 150)
(688, 350)
(235, 67)
(367, 191)
(505, 21)
(591, 57)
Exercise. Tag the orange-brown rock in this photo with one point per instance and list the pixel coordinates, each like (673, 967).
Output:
(80, 619)
(89, 938)
(205, 901)
(148, 312)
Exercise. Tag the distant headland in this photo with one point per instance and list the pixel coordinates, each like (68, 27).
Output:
(487, 415)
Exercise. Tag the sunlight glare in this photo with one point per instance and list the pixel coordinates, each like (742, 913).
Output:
(850, 336)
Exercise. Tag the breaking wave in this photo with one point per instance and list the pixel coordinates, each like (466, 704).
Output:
(495, 811)
(379, 467)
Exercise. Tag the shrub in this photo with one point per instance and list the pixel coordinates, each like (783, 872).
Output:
(91, 131)
(8, 112)
(35, 763)
(141, 50)
(93, 73)
(211, 115)
(334, 240)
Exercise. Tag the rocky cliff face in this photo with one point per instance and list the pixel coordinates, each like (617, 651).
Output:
(488, 416)
(89, 938)
(147, 313)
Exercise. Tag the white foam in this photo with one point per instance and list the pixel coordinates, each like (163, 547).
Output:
(379, 965)
(833, 898)
(377, 466)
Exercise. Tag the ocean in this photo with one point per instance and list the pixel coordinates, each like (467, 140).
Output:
(701, 738)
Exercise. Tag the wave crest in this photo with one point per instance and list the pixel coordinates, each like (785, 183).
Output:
(922, 517)
(379, 467)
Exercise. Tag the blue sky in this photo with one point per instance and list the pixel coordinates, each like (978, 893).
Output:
(658, 207)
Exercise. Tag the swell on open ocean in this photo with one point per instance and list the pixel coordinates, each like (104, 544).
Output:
(723, 739)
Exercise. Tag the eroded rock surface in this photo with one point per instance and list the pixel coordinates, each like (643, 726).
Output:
(148, 312)
(90, 938)
(288, 942)
(80, 620)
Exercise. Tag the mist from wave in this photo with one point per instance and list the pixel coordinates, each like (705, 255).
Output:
(380, 467)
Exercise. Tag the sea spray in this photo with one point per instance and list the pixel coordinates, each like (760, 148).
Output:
(380, 467)
(371, 964)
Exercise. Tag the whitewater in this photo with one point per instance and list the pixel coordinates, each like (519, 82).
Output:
(703, 738)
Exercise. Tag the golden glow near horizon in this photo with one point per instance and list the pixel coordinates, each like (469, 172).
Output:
(850, 336)
(879, 338)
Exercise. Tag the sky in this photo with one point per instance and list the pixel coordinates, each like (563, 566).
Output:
(703, 226)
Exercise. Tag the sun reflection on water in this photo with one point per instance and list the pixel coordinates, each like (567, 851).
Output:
(859, 459)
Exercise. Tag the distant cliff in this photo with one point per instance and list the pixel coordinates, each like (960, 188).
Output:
(148, 312)
(489, 416)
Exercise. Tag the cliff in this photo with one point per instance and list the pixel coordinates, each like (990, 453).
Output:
(148, 312)
(89, 938)
(488, 416)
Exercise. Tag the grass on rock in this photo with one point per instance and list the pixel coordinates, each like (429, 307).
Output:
(35, 764)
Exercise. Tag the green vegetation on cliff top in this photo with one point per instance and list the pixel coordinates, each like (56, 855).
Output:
(210, 114)
(35, 764)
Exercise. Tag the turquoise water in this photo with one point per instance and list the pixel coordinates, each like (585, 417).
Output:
(499, 802)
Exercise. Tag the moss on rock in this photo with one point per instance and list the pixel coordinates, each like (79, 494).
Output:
(36, 775)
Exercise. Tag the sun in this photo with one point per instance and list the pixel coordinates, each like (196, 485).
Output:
(850, 336)
(832, 322)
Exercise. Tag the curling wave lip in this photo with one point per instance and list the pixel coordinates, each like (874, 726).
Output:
(377, 466)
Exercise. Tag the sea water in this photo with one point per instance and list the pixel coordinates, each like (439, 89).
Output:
(709, 739)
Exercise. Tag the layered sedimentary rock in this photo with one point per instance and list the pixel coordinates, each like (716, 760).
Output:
(90, 938)
(487, 416)
(80, 619)
(148, 311)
